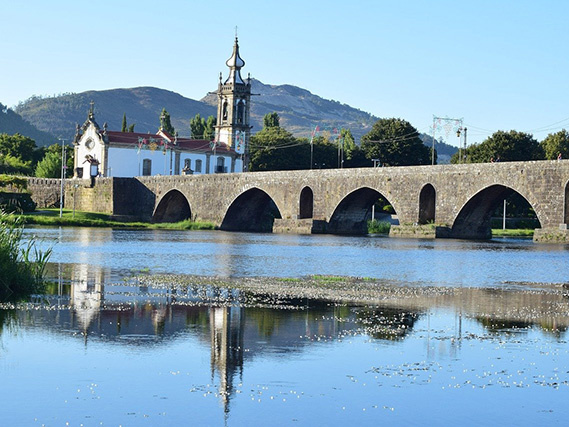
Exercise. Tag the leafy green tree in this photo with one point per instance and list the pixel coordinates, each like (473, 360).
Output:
(503, 146)
(131, 128)
(197, 126)
(348, 142)
(325, 153)
(274, 148)
(271, 120)
(17, 146)
(14, 165)
(50, 165)
(209, 132)
(165, 123)
(556, 143)
(124, 127)
(395, 142)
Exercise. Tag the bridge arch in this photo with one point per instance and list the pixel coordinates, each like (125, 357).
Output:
(173, 207)
(473, 220)
(566, 213)
(427, 204)
(306, 202)
(352, 213)
(252, 210)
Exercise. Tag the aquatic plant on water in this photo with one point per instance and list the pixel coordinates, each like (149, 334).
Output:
(22, 264)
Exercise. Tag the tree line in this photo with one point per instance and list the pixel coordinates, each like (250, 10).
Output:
(390, 142)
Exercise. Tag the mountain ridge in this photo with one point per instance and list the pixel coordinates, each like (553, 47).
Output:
(300, 111)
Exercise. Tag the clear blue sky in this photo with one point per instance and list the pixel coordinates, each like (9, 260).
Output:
(500, 65)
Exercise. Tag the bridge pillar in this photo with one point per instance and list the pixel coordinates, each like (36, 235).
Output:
(552, 234)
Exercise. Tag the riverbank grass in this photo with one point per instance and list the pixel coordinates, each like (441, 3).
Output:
(93, 219)
(22, 265)
(514, 232)
(378, 227)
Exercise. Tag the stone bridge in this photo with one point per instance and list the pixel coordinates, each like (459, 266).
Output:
(433, 201)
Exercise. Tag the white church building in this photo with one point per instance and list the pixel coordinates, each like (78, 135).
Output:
(102, 152)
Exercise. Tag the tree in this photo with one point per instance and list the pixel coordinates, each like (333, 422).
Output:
(512, 146)
(17, 146)
(274, 148)
(124, 126)
(556, 143)
(395, 143)
(349, 143)
(13, 165)
(209, 132)
(197, 126)
(50, 165)
(271, 120)
(131, 128)
(165, 123)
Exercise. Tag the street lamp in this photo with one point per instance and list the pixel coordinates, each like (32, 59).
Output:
(62, 177)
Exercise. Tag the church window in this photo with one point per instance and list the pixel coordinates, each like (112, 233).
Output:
(220, 168)
(240, 112)
(224, 113)
(198, 166)
(146, 167)
(187, 164)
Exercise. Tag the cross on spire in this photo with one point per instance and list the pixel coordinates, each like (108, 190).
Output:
(92, 109)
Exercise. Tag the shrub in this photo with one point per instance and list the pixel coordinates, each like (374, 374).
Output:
(378, 227)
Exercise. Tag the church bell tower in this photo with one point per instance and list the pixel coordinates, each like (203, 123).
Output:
(233, 104)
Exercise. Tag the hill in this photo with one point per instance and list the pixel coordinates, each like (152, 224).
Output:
(299, 110)
(142, 105)
(12, 123)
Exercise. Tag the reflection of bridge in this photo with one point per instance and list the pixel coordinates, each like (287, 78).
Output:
(459, 199)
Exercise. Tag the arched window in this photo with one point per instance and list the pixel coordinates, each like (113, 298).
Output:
(224, 111)
(240, 112)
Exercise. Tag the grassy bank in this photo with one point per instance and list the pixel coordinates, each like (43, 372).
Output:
(515, 232)
(22, 265)
(378, 227)
(92, 219)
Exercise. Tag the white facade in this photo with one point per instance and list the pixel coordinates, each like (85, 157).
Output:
(128, 154)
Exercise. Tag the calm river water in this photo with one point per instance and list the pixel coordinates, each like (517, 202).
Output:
(473, 333)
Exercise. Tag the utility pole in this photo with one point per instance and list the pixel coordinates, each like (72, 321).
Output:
(465, 131)
(62, 176)
(449, 124)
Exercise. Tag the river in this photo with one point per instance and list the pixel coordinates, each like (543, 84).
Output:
(450, 331)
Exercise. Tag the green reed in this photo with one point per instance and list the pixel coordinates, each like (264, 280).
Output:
(22, 264)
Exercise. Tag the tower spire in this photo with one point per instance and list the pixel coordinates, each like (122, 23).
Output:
(235, 63)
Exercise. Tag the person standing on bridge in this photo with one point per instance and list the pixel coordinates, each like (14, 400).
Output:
(559, 156)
